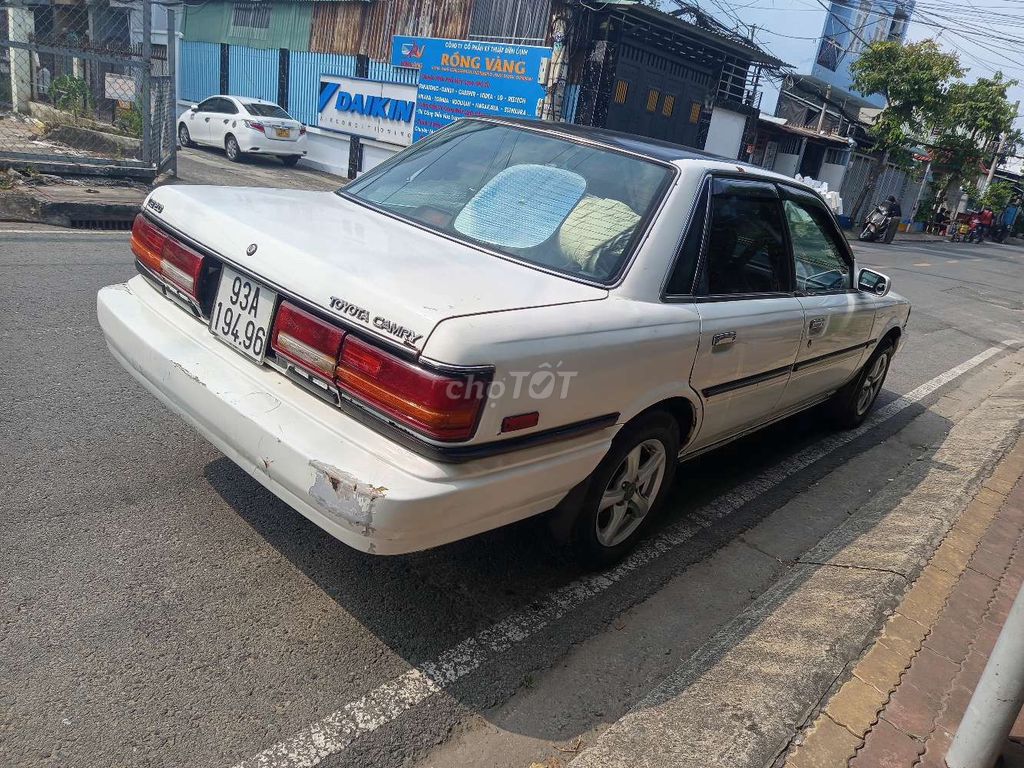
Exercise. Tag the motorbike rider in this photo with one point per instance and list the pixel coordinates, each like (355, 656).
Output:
(985, 220)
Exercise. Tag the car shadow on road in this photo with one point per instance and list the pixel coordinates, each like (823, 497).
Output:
(422, 604)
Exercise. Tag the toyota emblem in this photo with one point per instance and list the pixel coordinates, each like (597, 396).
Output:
(251, 249)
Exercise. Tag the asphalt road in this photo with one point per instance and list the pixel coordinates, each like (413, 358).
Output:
(159, 608)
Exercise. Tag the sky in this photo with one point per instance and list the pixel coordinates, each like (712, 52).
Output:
(987, 35)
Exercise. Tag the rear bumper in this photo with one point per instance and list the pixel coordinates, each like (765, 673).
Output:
(362, 488)
(253, 141)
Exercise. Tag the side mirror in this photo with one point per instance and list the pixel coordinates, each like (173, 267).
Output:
(194, 108)
(870, 281)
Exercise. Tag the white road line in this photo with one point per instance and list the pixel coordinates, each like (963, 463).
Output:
(65, 231)
(384, 704)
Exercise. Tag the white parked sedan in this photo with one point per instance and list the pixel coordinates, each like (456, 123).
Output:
(506, 318)
(242, 126)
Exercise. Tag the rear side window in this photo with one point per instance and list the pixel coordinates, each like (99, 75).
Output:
(746, 250)
(266, 110)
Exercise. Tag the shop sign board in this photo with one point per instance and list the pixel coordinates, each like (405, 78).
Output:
(367, 108)
(469, 78)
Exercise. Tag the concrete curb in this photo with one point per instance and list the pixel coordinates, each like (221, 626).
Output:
(837, 734)
(36, 207)
(742, 697)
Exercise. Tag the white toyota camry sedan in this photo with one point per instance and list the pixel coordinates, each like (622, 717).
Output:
(506, 319)
(242, 126)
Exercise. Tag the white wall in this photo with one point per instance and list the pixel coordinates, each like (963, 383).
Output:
(725, 133)
(833, 174)
(328, 151)
(788, 164)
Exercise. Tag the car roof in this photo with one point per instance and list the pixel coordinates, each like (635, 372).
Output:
(245, 99)
(656, 149)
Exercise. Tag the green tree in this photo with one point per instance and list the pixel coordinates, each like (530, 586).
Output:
(913, 79)
(977, 115)
(996, 196)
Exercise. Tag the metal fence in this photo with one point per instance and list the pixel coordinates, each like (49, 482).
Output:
(87, 86)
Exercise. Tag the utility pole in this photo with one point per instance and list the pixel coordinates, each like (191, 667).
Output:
(995, 162)
(824, 104)
(999, 152)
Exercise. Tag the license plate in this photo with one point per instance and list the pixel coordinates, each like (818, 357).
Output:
(283, 133)
(241, 314)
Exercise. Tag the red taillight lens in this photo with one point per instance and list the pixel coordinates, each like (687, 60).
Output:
(174, 261)
(307, 340)
(302, 130)
(442, 407)
(255, 125)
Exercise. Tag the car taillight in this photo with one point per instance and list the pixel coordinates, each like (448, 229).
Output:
(307, 340)
(302, 130)
(174, 261)
(254, 124)
(439, 406)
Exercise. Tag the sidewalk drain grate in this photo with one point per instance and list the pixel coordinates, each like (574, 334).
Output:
(111, 224)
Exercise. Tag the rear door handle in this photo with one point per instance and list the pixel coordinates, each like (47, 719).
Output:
(724, 339)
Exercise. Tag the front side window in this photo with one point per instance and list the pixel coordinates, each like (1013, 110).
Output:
(548, 201)
(746, 248)
(819, 259)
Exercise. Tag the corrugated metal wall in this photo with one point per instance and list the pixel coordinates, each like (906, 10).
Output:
(200, 70)
(893, 181)
(513, 21)
(253, 72)
(304, 70)
(367, 28)
(337, 27)
(210, 22)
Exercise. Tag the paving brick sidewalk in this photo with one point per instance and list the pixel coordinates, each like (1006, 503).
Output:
(908, 692)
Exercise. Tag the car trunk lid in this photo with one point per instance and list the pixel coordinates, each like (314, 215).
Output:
(391, 278)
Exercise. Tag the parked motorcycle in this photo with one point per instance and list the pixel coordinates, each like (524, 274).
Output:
(876, 226)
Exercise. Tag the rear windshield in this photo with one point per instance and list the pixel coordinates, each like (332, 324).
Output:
(265, 110)
(551, 202)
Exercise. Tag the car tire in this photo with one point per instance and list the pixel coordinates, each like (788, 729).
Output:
(852, 404)
(290, 160)
(639, 468)
(184, 137)
(232, 150)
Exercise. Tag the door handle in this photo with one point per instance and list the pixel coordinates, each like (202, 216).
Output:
(724, 339)
(817, 325)
(207, 119)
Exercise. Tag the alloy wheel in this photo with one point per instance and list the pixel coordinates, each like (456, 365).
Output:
(630, 493)
(872, 383)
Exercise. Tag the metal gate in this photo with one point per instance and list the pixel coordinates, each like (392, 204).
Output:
(84, 88)
(892, 181)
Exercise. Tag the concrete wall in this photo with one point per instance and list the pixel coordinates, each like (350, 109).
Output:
(787, 164)
(725, 133)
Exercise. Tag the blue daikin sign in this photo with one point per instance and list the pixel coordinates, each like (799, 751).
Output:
(367, 108)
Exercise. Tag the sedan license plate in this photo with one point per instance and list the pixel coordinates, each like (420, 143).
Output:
(241, 314)
(283, 133)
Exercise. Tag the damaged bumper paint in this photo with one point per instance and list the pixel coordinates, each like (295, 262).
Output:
(362, 488)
